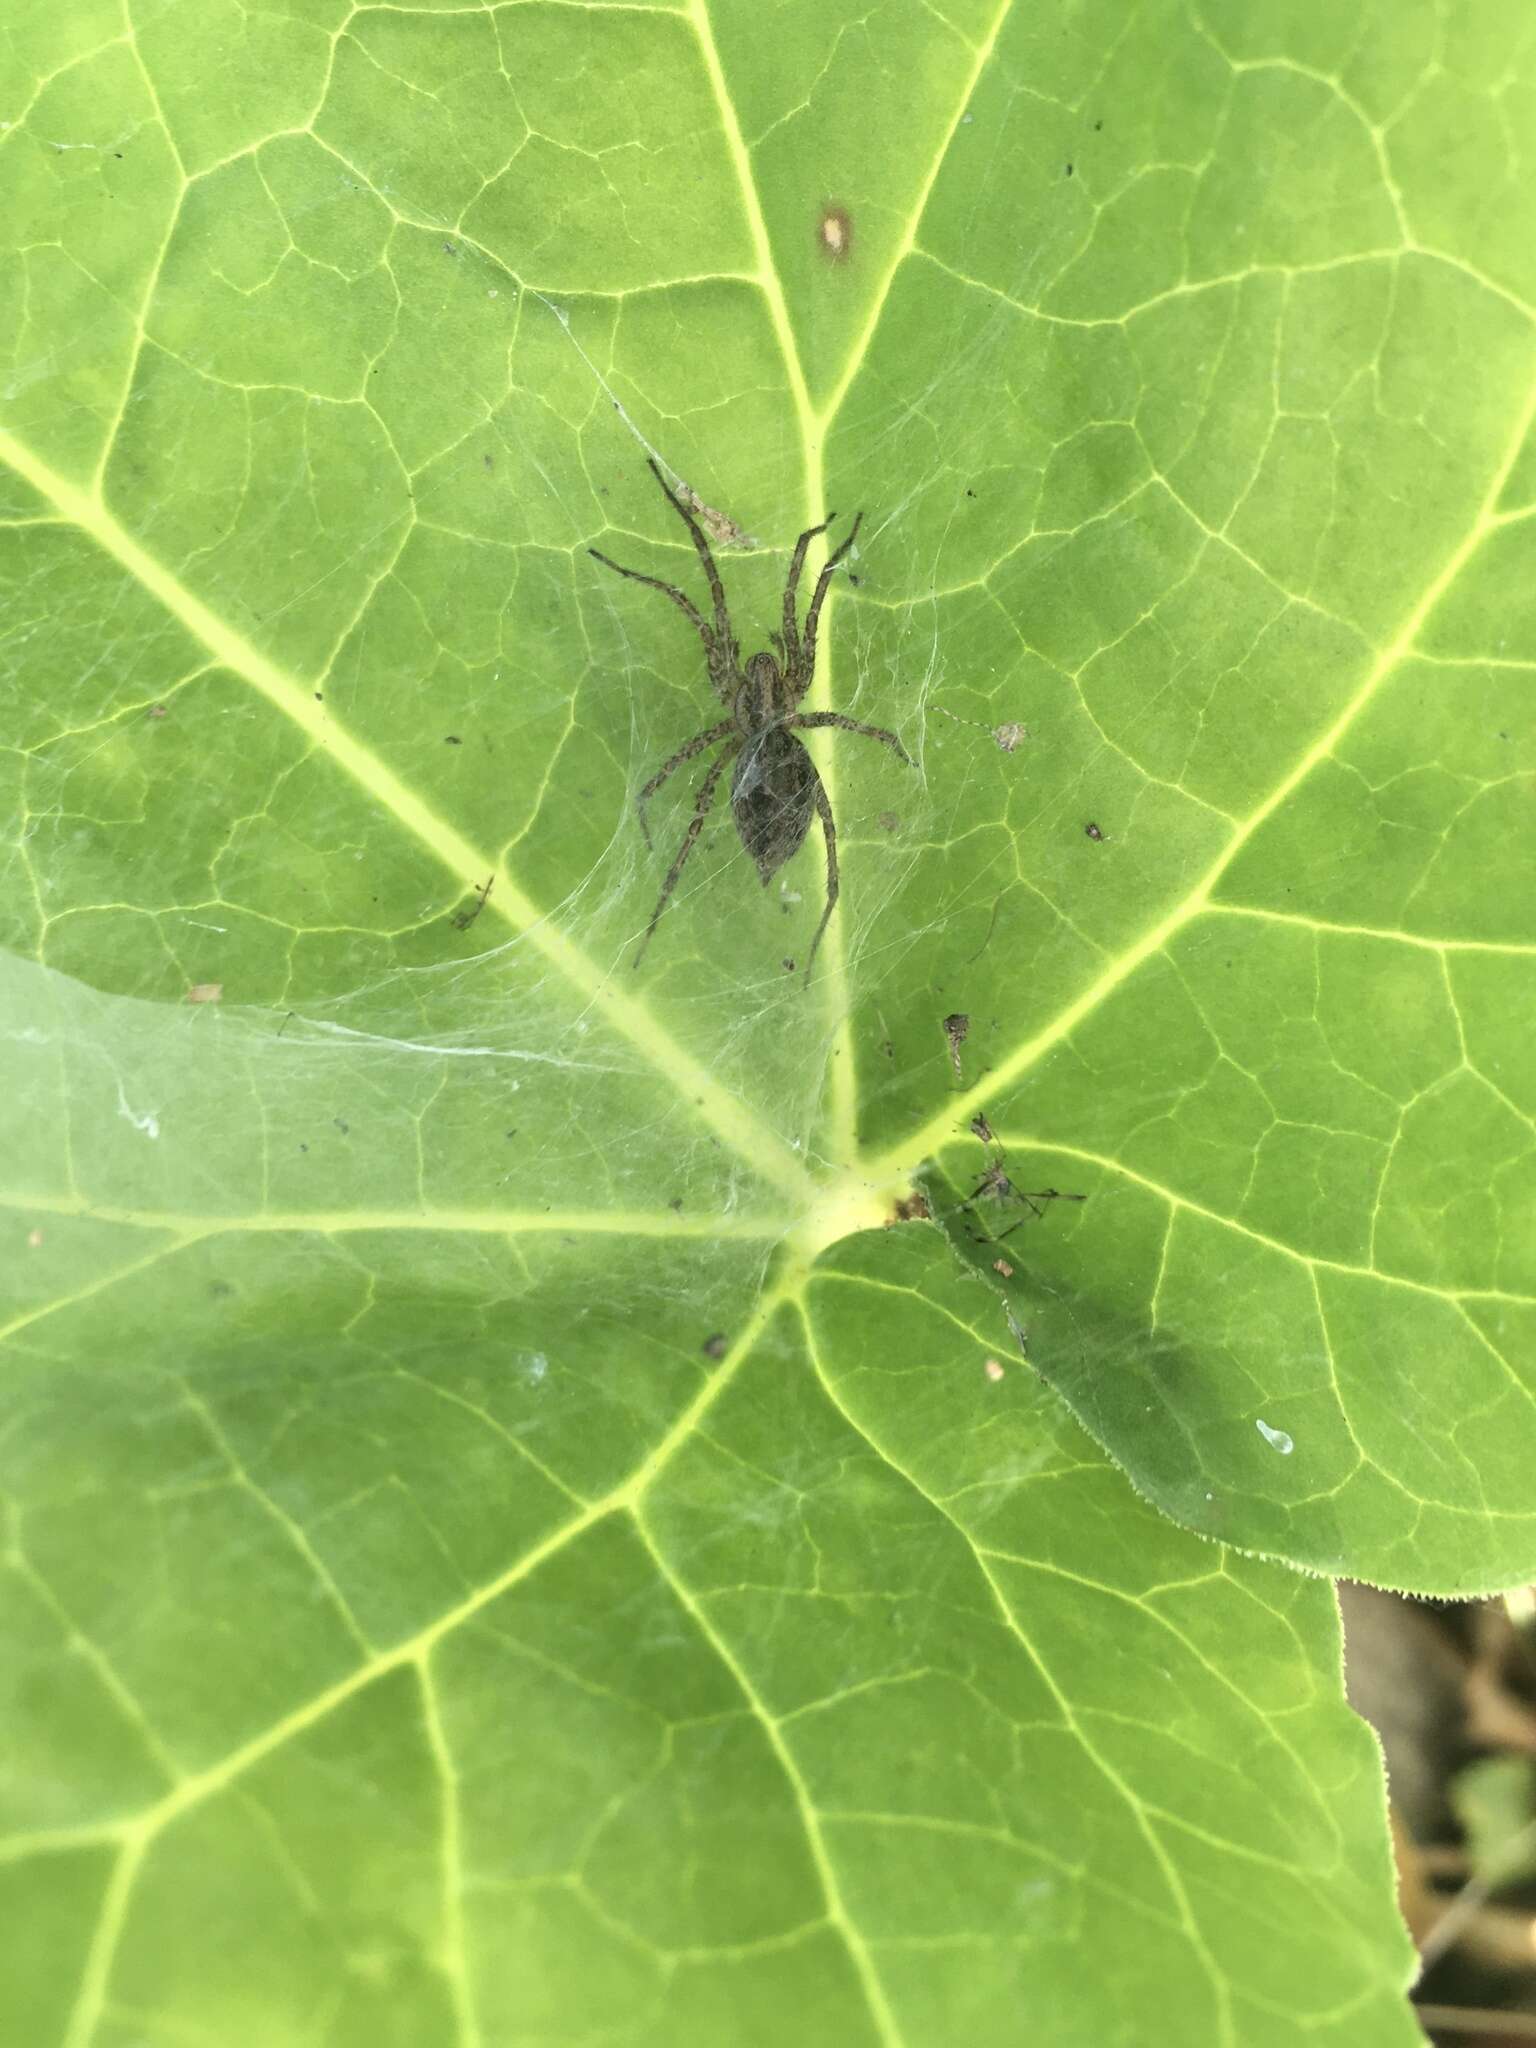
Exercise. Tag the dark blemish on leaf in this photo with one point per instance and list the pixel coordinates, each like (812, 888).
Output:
(489, 461)
(715, 1346)
(855, 582)
(888, 822)
(451, 739)
(449, 249)
(319, 696)
(676, 1205)
(955, 1029)
(342, 1125)
(156, 711)
(834, 233)
(1093, 830)
(970, 493)
(1069, 170)
(303, 1148)
(512, 1133)
(1097, 126)
(463, 919)
(221, 1290)
(788, 966)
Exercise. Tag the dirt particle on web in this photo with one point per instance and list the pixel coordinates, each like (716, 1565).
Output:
(956, 1026)
(157, 711)
(1093, 831)
(834, 233)
(911, 1208)
(1002, 1266)
(205, 992)
(980, 1128)
(1008, 736)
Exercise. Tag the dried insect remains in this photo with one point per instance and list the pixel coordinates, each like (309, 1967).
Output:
(995, 1186)
(775, 789)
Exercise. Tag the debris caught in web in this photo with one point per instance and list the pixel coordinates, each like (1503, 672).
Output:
(955, 1028)
(720, 527)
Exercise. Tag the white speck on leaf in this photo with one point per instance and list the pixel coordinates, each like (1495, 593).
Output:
(1275, 1438)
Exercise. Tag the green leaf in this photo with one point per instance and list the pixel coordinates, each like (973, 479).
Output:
(508, 1536)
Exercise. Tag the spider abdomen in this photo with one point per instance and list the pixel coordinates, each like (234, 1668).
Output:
(773, 798)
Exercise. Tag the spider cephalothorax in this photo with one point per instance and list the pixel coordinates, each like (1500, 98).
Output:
(775, 790)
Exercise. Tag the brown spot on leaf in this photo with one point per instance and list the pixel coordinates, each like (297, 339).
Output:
(834, 232)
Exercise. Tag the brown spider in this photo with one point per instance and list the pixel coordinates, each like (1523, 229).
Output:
(775, 787)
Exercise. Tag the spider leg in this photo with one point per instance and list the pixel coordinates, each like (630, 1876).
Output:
(684, 603)
(868, 732)
(1035, 1205)
(829, 833)
(791, 641)
(716, 590)
(701, 807)
(808, 652)
(696, 745)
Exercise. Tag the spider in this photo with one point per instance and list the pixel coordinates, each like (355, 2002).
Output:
(775, 788)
